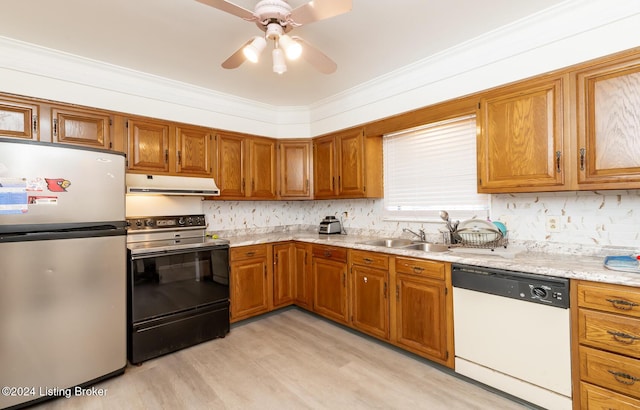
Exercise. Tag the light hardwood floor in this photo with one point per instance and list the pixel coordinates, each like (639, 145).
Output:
(287, 360)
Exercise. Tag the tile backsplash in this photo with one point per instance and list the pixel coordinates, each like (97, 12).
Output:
(571, 222)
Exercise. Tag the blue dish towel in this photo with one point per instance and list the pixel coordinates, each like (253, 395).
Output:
(627, 263)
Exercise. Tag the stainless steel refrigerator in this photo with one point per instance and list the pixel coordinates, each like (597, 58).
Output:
(62, 269)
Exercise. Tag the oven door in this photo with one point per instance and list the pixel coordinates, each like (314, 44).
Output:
(170, 282)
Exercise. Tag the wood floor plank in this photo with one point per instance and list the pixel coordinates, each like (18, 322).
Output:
(289, 359)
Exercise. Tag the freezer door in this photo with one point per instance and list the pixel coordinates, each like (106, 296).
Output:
(56, 184)
(62, 312)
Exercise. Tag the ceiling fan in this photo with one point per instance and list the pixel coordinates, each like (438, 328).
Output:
(277, 18)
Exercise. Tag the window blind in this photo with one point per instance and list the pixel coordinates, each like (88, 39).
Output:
(432, 168)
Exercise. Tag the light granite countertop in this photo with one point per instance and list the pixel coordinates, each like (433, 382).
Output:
(551, 264)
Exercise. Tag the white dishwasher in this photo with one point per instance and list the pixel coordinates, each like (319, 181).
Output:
(512, 332)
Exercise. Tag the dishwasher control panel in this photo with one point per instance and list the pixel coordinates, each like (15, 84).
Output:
(530, 287)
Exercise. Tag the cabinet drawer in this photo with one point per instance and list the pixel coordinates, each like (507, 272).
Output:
(610, 371)
(372, 259)
(329, 252)
(593, 397)
(420, 267)
(609, 298)
(616, 333)
(246, 252)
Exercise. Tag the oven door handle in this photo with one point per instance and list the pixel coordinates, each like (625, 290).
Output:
(153, 254)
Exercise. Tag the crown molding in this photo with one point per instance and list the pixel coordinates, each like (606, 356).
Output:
(548, 40)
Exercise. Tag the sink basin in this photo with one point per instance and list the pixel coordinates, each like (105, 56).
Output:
(428, 247)
(389, 243)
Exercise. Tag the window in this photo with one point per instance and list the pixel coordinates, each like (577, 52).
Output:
(432, 168)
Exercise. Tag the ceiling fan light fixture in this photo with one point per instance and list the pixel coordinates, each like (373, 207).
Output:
(292, 48)
(279, 64)
(254, 49)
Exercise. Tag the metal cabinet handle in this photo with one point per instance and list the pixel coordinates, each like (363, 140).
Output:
(367, 260)
(582, 155)
(384, 290)
(250, 253)
(34, 118)
(166, 156)
(622, 304)
(624, 378)
(397, 292)
(623, 337)
(55, 127)
(327, 254)
(418, 269)
(179, 158)
(558, 156)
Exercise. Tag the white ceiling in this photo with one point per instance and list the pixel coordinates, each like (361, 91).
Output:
(186, 41)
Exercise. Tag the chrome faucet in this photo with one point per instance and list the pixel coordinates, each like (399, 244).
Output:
(421, 235)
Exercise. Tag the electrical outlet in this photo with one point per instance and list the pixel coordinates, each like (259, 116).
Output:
(345, 214)
(553, 223)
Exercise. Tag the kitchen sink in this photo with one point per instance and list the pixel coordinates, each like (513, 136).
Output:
(389, 243)
(408, 244)
(427, 247)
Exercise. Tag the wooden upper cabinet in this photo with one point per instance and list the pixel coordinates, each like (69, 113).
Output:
(81, 127)
(231, 165)
(521, 144)
(149, 147)
(608, 151)
(347, 165)
(194, 151)
(246, 167)
(351, 164)
(324, 167)
(262, 165)
(295, 169)
(19, 120)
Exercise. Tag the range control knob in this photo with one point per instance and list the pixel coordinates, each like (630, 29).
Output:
(180, 221)
(189, 221)
(538, 292)
(138, 223)
(149, 222)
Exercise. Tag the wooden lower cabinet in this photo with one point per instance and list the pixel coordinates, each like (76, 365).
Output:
(329, 270)
(283, 274)
(369, 293)
(303, 278)
(424, 309)
(250, 281)
(606, 347)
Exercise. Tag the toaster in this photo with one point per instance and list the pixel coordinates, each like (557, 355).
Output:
(330, 225)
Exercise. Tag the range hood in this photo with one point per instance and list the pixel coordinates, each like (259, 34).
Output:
(171, 185)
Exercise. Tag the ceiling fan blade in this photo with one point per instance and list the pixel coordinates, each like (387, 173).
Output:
(319, 10)
(229, 8)
(237, 58)
(316, 57)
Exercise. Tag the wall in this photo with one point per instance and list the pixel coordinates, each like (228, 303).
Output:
(589, 222)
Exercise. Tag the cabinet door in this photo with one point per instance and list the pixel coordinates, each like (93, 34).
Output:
(194, 151)
(283, 274)
(303, 283)
(19, 120)
(249, 288)
(324, 167)
(295, 170)
(84, 128)
(609, 126)
(421, 318)
(148, 146)
(369, 302)
(262, 159)
(330, 289)
(231, 163)
(521, 141)
(351, 164)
